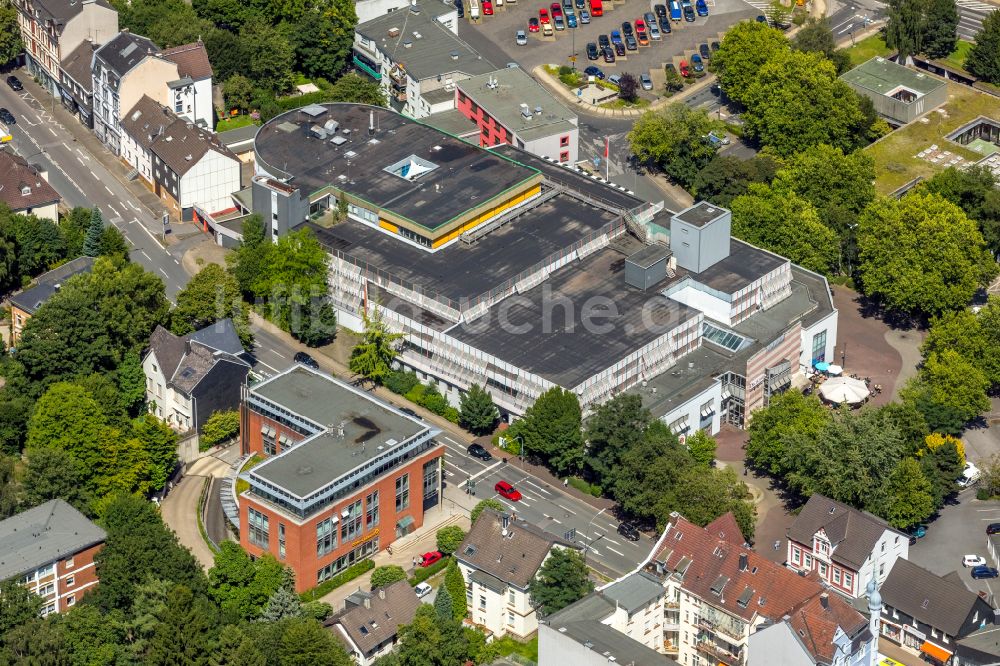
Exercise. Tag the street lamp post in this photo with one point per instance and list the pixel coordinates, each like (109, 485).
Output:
(594, 539)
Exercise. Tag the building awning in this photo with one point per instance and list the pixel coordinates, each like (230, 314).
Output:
(404, 522)
(707, 411)
(268, 431)
(938, 653)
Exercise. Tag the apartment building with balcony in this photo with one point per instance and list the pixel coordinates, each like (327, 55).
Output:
(847, 548)
(345, 474)
(719, 592)
(50, 549)
(52, 29)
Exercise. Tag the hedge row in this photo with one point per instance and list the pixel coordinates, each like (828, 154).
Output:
(345, 576)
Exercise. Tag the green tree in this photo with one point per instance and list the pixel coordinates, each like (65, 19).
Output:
(238, 93)
(701, 446)
(942, 466)
(940, 28)
(249, 262)
(787, 414)
(974, 190)
(38, 641)
(139, 546)
(702, 496)
(614, 428)
(974, 335)
(73, 227)
(210, 296)
(9, 489)
(561, 580)
(304, 642)
(323, 38)
(672, 80)
(94, 638)
(482, 505)
(113, 244)
(54, 474)
(747, 47)
(387, 575)
(18, 605)
(443, 604)
(317, 323)
(130, 381)
(352, 88)
(449, 538)
(949, 391)
(784, 223)
(372, 358)
(432, 641)
(797, 101)
(187, 629)
(92, 241)
(454, 581)
(15, 409)
(39, 244)
(477, 413)
(904, 30)
(673, 138)
(550, 430)
(778, 14)
(268, 55)
(909, 499)
(815, 36)
(921, 254)
(241, 586)
(159, 442)
(10, 34)
(220, 426)
(984, 56)
(727, 177)
(647, 470)
(131, 300)
(282, 604)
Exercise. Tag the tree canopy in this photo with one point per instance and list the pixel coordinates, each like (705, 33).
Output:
(747, 47)
(674, 138)
(372, 358)
(550, 430)
(984, 57)
(211, 295)
(477, 413)
(561, 580)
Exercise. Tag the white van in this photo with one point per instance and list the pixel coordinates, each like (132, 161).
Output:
(474, 10)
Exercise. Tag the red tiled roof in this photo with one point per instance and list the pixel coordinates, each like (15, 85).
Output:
(22, 186)
(727, 529)
(712, 570)
(191, 59)
(816, 623)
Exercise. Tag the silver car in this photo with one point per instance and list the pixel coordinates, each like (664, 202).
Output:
(521, 38)
(645, 81)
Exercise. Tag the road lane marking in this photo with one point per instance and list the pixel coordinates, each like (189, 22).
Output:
(177, 262)
(537, 486)
(556, 520)
(615, 551)
(145, 255)
(112, 207)
(523, 503)
(93, 174)
(52, 131)
(134, 207)
(612, 541)
(566, 510)
(109, 190)
(164, 273)
(488, 469)
(279, 354)
(266, 365)
(150, 233)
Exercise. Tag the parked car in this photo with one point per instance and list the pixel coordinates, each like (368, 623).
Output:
(602, 41)
(670, 67)
(520, 38)
(410, 412)
(697, 63)
(609, 54)
(619, 48)
(558, 22)
(7, 117)
(596, 8)
(477, 451)
(985, 572)
(570, 19)
(675, 10)
(630, 43)
(615, 79)
(532, 24)
(629, 531)
(640, 25)
(547, 30)
(543, 16)
(592, 52)
(645, 81)
(460, 9)
(556, 9)
(487, 8)
(660, 10)
(506, 490)
(706, 54)
(567, 4)
(969, 475)
(973, 561)
(651, 27)
(581, 4)
(993, 528)
(584, 17)
(301, 358)
(685, 72)
(616, 37)
(14, 83)
(761, 18)
(642, 37)
(627, 28)
(689, 13)
(702, 7)
(721, 139)
(664, 23)
(422, 590)
(430, 558)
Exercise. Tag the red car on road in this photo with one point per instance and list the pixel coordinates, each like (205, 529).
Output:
(532, 24)
(507, 491)
(430, 558)
(543, 15)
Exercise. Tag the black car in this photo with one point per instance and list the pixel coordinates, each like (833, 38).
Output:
(410, 412)
(603, 41)
(477, 451)
(303, 358)
(985, 572)
(661, 10)
(14, 83)
(706, 54)
(609, 54)
(627, 28)
(689, 13)
(7, 117)
(630, 43)
(629, 531)
(620, 48)
(461, 8)
(664, 25)
(761, 18)
(592, 51)
(993, 528)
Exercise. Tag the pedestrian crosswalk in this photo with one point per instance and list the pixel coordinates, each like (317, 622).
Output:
(757, 4)
(975, 5)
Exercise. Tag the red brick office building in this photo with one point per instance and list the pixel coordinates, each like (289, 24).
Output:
(346, 474)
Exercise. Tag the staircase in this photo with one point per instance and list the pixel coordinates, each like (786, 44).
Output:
(227, 493)
(132, 175)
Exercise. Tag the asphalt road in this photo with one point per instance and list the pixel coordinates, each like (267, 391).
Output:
(82, 180)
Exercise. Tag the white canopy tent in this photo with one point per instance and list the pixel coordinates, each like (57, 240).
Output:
(844, 389)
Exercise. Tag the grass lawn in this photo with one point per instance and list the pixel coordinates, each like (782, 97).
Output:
(241, 484)
(509, 646)
(895, 155)
(233, 123)
(957, 58)
(622, 104)
(867, 49)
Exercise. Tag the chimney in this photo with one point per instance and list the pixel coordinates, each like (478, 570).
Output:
(824, 600)
(504, 522)
(371, 123)
(744, 561)
(381, 593)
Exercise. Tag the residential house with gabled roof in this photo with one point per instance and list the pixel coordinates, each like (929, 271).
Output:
(24, 188)
(719, 592)
(76, 82)
(844, 546)
(499, 558)
(190, 94)
(25, 304)
(368, 625)
(190, 377)
(927, 614)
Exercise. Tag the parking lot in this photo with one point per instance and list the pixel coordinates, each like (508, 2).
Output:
(493, 36)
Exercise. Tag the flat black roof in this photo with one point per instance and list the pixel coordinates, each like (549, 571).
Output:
(563, 350)
(465, 176)
(744, 265)
(650, 255)
(700, 214)
(461, 270)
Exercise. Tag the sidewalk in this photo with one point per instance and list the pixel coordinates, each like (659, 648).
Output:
(403, 551)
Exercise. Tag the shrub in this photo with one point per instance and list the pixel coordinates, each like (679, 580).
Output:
(401, 381)
(450, 538)
(219, 427)
(423, 573)
(585, 487)
(387, 575)
(345, 576)
(565, 69)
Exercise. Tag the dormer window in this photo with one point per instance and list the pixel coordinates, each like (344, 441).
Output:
(25, 190)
